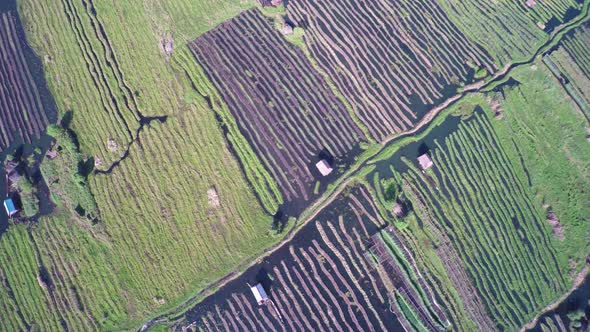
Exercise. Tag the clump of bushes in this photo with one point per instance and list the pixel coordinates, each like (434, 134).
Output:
(66, 175)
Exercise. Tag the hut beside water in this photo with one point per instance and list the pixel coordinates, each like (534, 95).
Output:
(10, 207)
(398, 210)
(324, 168)
(259, 294)
(425, 161)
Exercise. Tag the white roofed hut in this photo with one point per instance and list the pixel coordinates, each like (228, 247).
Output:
(425, 162)
(324, 168)
(259, 294)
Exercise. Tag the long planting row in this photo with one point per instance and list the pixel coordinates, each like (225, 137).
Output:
(482, 206)
(282, 105)
(22, 114)
(326, 280)
(576, 44)
(553, 323)
(570, 74)
(393, 257)
(391, 59)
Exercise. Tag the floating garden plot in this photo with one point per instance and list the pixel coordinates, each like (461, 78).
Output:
(281, 104)
(392, 60)
(339, 273)
(473, 200)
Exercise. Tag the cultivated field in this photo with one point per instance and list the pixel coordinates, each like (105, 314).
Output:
(175, 210)
(282, 105)
(340, 272)
(509, 30)
(571, 62)
(22, 113)
(391, 60)
(192, 122)
(554, 164)
(474, 200)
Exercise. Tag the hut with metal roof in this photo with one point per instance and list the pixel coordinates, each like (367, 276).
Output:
(10, 207)
(259, 294)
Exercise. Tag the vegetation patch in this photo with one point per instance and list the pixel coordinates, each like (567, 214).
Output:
(66, 174)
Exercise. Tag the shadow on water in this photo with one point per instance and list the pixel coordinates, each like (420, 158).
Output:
(569, 15)
(18, 147)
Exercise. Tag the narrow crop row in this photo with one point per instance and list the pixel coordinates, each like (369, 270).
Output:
(412, 295)
(553, 323)
(476, 196)
(281, 105)
(572, 76)
(22, 113)
(392, 60)
(576, 45)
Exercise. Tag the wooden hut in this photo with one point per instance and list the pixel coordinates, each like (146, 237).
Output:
(259, 294)
(51, 154)
(270, 3)
(287, 29)
(398, 210)
(425, 161)
(324, 168)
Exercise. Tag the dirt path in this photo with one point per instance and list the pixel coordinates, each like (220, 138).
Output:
(324, 201)
(552, 306)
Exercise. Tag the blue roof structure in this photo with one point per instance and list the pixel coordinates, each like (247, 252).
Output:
(9, 206)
